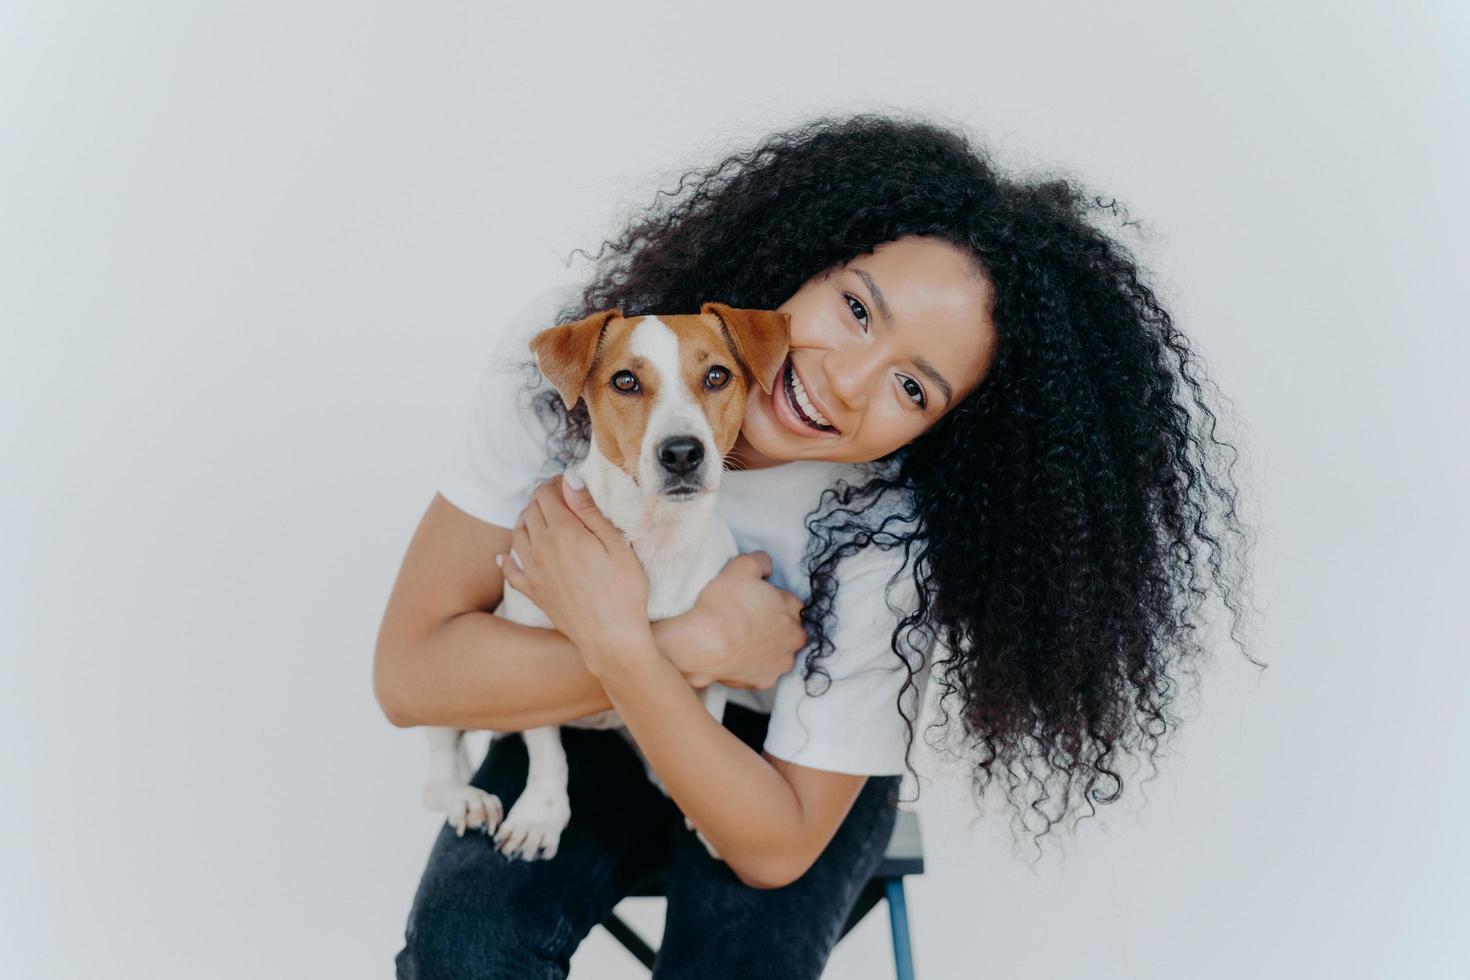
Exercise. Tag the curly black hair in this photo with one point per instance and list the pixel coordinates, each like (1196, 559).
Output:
(1066, 523)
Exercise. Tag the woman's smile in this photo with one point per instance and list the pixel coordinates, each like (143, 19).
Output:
(860, 380)
(793, 403)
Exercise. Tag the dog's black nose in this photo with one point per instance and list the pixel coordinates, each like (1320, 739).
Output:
(681, 454)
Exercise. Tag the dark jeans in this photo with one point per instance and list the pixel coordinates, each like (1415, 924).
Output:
(478, 914)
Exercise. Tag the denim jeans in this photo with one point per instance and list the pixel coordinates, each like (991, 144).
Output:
(478, 914)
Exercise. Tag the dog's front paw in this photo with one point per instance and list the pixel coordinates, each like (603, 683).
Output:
(464, 806)
(534, 825)
(703, 840)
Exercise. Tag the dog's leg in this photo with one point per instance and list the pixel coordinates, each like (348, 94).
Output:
(536, 819)
(448, 789)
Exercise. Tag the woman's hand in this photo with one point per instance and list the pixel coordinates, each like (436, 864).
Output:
(581, 572)
(743, 631)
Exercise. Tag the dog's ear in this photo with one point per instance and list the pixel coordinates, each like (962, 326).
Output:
(565, 353)
(759, 338)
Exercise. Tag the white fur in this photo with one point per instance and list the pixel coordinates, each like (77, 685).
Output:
(676, 413)
(682, 545)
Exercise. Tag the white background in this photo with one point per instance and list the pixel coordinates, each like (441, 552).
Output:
(253, 257)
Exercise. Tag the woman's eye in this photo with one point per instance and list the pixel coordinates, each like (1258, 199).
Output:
(914, 390)
(716, 377)
(851, 299)
(625, 381)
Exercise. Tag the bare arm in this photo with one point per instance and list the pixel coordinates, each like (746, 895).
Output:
(770, 819)
(442, 658)
(480, 671)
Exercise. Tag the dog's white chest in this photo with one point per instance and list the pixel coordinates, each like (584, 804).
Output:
(674, 584)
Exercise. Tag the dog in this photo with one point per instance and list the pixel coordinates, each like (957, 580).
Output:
(665, 398)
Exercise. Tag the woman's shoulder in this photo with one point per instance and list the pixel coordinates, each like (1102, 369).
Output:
(844, 507)
(879, 500)
(503, 449)
(540, 310)
(818, 479)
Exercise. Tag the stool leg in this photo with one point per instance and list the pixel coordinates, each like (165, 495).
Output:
(631, 941)
(898, 917)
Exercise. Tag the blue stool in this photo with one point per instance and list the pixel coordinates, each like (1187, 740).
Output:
(904, 856)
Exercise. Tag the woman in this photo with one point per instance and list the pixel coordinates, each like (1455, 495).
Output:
(995, 445)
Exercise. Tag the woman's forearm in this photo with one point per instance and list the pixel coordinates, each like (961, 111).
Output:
(736, 798)
(482, 671)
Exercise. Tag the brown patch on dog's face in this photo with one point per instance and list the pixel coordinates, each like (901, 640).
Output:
(620, 418)
(665, 376)
(759, 338)
(564, 353)
(626, 386)
(713, 374)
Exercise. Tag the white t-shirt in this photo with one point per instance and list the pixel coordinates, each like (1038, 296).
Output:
(852, 725)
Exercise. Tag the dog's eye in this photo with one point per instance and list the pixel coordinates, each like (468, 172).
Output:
(716, 377)
(625, 381)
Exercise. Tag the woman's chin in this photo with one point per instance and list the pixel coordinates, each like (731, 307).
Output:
(774, 439)
(769, 438)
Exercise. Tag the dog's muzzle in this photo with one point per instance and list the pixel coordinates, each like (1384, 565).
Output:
(681, 458)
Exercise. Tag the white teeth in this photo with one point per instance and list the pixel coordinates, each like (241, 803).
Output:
(804, 402)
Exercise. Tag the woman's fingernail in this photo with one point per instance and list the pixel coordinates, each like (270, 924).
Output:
(499, 559)
(573, 480)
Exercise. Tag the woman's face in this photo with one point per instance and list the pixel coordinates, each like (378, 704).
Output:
(881, 349)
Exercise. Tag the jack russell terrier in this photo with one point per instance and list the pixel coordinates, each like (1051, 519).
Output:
(665, 396)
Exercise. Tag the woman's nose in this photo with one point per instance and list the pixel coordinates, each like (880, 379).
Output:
(851, 374)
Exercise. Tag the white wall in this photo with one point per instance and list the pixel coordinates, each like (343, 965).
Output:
(252, 258)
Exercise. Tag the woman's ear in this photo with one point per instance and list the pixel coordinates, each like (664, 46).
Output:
(565, 353)
(759, 339)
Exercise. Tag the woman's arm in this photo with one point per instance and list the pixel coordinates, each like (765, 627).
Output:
(769, 819)
(481, 671)
(443, 659)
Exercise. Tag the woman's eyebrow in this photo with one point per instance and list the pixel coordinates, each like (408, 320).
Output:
(936, 377)
(919, 362)
(877, 294)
